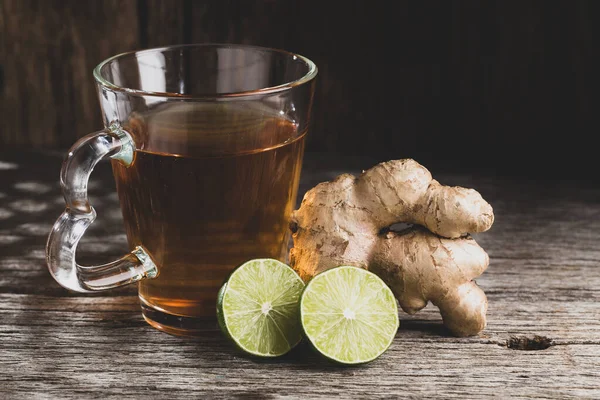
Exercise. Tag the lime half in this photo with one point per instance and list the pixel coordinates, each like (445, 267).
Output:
(258, 307)
(349, 314)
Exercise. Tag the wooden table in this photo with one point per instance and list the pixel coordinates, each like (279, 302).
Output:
(544, 280)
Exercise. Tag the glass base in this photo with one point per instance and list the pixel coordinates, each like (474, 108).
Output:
(177, 324)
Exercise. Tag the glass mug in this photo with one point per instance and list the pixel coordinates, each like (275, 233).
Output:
(206, 144)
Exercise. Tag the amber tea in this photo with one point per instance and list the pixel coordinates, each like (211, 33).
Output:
(212, 186)
(206, 143)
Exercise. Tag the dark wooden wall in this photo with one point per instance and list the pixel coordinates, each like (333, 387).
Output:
(508, 86)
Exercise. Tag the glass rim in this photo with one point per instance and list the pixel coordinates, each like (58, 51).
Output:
(307, 77)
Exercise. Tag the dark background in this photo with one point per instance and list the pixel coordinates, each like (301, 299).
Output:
(502, 87)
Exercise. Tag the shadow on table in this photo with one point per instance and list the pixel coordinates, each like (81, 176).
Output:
(303, 356)
(424, 328)
(30, 203)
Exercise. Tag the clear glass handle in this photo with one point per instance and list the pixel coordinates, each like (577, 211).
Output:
(115, 143)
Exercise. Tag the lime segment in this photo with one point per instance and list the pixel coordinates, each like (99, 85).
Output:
(258, 307)
(349, 314)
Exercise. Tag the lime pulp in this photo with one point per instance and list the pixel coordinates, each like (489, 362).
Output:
(258, 307)
(349, 314)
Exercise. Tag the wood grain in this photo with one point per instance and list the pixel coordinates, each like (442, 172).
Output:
(459, 84)
(49, 49)
(544, 279)
(162, 23)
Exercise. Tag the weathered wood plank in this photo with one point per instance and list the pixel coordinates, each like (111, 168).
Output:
(443, 82)
(261, 23)
(162, 23)
(544, 279)
(111, 351)
(50, 48)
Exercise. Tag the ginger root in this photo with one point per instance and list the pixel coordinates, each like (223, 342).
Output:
(346, 222)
